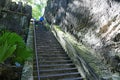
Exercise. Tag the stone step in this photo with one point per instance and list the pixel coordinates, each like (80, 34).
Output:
(62, 69)
(53, 62)
(52, 58)
(42, 43)
(48, 47)
(52, 54)
(40, 51)
(76, 78)
(46, 62)
(56, 66)
(56, 71)
(50, 51)
(51, 48)
(61, 76)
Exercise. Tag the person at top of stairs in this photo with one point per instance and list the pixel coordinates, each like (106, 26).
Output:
(41, 19)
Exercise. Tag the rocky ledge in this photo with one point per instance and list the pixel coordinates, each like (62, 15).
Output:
(94, 23)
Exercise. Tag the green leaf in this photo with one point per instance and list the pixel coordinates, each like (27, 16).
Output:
(13, 46)
(9, 52)
(6, 51)
(2, 51)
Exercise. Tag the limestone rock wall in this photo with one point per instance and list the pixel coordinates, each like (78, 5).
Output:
(95, 23)
(15, 17)
(4, 4)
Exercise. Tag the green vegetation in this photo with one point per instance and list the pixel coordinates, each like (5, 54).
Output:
(36, 11)
(37, 6)
(12, 46)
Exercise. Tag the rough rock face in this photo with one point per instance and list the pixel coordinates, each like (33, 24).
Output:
(15, 17)
(95, 23)
(4, 4)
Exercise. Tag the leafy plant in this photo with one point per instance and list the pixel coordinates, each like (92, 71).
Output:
(37, 6)
(6, 51)
(13, 46)
(36, 11)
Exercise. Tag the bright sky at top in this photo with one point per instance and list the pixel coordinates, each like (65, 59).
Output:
(34, 2)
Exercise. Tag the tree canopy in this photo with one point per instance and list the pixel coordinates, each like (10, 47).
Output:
(37, 6)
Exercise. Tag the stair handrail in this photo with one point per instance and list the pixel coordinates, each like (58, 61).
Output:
(36, 55)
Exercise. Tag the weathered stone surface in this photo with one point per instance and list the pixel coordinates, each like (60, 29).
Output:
(94, 23)
(27, 9)
(15, 17)
(2, 3)
(5, 4)
(13, 6)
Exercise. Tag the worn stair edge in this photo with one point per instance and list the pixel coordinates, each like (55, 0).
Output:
(59, 75)
(51, 54)
(57, 61)
(58, 69)
(57, 65)
(78, 78)
(60, 57)
(27, 73)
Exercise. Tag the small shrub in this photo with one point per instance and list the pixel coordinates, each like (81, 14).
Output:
(13, 46)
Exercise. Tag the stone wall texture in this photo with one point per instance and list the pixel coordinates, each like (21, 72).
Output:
(94, 23)
(15, 17)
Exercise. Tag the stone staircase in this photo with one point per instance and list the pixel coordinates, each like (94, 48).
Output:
(51, 61)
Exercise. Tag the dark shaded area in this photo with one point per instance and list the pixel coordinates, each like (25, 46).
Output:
(116, 0)
(2, 3)
(117, 38)
(15, 17)
(10, 72)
